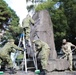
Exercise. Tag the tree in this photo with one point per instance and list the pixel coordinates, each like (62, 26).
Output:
(13, 29)
(70, 13)
(9, 21)
(5, 14)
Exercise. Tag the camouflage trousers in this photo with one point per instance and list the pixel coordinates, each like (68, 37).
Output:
(44, 59)
(7, 60)
(27, 33)
(69, 57)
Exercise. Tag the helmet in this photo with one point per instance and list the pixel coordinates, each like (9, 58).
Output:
(38, 43)
(64, 41)
(10, 40)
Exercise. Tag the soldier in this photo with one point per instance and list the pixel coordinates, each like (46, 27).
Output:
(66, 48)
(43, 51)
(5, 54)
(26, 26)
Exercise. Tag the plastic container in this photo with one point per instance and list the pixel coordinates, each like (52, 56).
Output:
(1, 72)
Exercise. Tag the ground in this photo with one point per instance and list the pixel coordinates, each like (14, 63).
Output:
(51, 73)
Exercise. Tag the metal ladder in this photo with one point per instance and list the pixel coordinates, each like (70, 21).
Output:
(22, 39)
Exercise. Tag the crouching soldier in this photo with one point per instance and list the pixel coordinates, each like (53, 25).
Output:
(43, 52)
(5, 54)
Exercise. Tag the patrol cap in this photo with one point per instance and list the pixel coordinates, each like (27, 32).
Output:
(10, 40)
(37, 42)
(64, 41)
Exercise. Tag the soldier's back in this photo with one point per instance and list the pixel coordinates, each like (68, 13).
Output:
(26, 21)
(4, 50)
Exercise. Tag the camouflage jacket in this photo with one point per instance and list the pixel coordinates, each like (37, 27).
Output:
(8, 48)
(26, 21)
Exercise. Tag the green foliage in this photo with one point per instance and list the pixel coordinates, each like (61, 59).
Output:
(14, 18)
(14, 29)
(5, 13)
(11, 20)
(60, 23)
(45, 5)
(69, 7)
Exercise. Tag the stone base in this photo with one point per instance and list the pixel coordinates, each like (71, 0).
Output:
(62, 73)
(57, 64)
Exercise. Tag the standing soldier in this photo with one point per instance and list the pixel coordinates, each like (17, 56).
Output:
(5, 54)
(66, 47)
(26, 26)
(43, 51)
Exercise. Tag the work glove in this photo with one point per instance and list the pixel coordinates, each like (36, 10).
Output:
(25, 49)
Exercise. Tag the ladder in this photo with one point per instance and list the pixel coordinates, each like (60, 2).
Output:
(23, 40)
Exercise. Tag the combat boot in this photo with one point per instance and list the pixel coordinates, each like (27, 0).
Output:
(43, 72)
(71, 69)
(12, 71)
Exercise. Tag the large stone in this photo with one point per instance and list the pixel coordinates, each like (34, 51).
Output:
(43, 30)
(62, 73)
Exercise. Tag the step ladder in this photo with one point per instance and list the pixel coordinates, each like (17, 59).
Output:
(25, 60)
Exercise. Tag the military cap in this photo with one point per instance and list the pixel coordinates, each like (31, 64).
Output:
(36, 41)
(10, 40)
(64, 40)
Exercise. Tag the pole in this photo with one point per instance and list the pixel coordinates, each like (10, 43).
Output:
(25, 61)
(65, 54)
(34, 57)
(37, 71)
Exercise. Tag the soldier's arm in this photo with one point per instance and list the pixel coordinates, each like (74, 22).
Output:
(63, 50)
(72, 45)
(16, 47)
(32, 21)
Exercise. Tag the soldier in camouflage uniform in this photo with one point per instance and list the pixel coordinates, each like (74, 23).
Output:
(26, 25)
(43, 51)
(6, 51)
(66, 47)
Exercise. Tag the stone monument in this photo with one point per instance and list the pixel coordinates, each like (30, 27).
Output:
(43, 30)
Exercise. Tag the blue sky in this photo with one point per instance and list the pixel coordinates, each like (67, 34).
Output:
(19, 7)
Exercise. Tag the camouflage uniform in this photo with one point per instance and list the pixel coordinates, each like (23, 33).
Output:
(26, 25)
(66, 47)
(43, 52)
(6, 51)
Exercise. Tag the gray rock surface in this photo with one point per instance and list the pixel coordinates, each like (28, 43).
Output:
(43, 30)
(57, 64)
